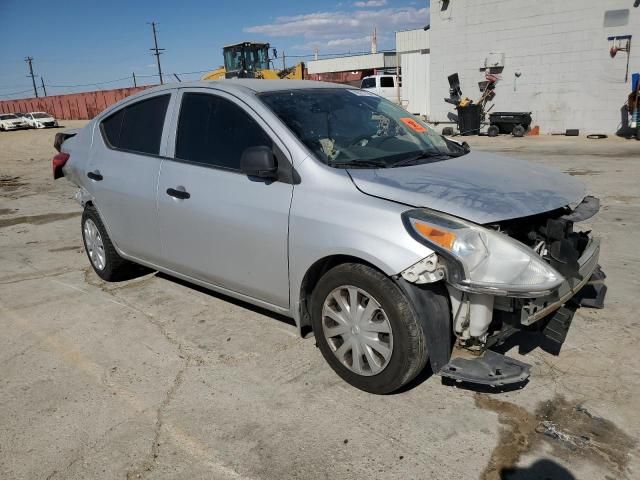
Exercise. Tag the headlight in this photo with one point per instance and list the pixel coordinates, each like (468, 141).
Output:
(482, 260)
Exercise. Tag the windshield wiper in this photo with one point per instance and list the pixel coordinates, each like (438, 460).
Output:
(359, 163)
(422, 156)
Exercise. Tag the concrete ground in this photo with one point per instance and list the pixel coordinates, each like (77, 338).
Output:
(153, 378)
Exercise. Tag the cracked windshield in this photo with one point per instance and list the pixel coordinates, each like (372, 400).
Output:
(355, 128)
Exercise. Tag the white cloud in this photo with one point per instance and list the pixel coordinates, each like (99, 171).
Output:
(371, 3)
(355, 44)
(320, 28)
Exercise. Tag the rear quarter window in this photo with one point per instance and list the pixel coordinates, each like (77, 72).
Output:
(137, 127)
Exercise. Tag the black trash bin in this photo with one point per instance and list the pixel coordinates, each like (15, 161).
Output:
(469, 119)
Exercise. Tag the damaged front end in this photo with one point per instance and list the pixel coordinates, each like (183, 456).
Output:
(519, 274)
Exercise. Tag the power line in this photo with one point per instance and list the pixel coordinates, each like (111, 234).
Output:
(157, 51)
(33, 78)
(14, 93)
(90, 84)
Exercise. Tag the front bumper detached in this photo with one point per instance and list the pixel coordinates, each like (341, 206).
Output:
(540, 307)
(493, 369)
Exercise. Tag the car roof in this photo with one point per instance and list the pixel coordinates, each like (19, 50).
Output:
(250, 85)
(245, 86)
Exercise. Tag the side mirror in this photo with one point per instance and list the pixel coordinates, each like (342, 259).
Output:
(259, 162)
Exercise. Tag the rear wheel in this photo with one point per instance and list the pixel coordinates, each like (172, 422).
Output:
(493, 131)
(366, 329)
(102, 254)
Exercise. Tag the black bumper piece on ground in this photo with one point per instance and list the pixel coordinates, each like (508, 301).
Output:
(491, 368)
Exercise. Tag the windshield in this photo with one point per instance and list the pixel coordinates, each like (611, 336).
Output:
(41, 115)
(368, 83)
(7, 117)
(345, 127)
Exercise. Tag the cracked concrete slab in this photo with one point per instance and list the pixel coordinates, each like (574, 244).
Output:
(155, 378)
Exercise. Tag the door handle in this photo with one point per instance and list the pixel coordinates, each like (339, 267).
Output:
(181, 194)
(95, 176)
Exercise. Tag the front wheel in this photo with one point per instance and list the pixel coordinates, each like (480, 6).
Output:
(367, 330)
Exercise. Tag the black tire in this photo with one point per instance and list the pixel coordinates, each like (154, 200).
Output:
(409, 355)
(518, 131)
(447, 131)
(115, 268)
(493, 131)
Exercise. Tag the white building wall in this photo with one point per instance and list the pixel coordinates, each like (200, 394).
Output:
(415, 82)
(368, 61)
(412, 47)
(560, 47)
(411, 40)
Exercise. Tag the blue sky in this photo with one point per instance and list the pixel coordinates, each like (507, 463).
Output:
(76, 42)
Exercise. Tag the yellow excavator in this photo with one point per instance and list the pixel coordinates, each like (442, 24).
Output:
(251, 60)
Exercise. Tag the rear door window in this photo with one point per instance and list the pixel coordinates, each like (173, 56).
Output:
(137, 127)
(215, 131)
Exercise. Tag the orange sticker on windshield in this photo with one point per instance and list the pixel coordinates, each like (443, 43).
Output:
(411, 123)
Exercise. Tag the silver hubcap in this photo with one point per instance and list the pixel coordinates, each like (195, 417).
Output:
(357, 330)
(94, 245)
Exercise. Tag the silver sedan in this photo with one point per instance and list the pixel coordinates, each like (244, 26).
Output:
(396, 247)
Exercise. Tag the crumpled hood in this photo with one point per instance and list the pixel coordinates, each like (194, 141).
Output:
(480, 187)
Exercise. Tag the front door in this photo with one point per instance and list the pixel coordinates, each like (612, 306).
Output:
(217, 224)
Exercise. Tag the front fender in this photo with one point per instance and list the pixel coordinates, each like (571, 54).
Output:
(330, 217)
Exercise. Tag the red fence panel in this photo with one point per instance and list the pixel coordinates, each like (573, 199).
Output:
(74, 106)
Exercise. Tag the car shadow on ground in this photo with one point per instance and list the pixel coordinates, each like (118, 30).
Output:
(526, 341)
(226, 298)
(543, 469)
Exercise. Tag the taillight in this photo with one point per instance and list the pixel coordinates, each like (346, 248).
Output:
(58, 162)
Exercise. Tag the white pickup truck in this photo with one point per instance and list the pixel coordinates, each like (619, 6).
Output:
(385, 85)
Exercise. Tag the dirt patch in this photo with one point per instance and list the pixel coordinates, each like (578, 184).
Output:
(38, 219)
(568, 427)
(66, 249)
(624, 198)
(9, 183)
(7, 211)
(576, 172)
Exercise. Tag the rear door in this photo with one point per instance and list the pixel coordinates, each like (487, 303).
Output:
(123, 174)
(217, 224)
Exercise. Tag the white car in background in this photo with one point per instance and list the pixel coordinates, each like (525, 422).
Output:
(10, 121)
(41, 120)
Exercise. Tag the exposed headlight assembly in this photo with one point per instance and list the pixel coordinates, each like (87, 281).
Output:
(481, 260)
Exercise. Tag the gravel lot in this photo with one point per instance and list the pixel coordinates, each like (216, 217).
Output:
(153, 378)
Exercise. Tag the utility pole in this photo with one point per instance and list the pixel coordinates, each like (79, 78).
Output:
(157, 51)
(33, 77)
(134, 79)
(43, 87)
(284, 64)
